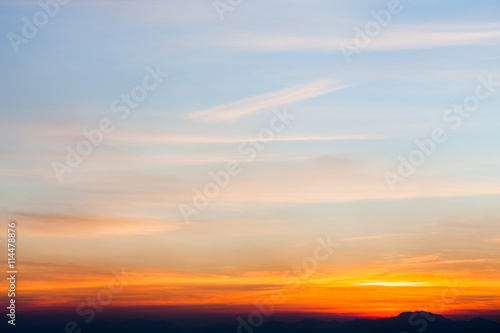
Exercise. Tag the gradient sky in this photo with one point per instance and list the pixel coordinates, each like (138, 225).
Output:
(323, 175)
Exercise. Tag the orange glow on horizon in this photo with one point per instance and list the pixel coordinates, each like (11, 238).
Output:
(346, 292)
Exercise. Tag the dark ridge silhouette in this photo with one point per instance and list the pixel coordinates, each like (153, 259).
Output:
(406, 322)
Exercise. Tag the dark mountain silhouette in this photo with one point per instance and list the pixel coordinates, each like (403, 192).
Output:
(406, 322)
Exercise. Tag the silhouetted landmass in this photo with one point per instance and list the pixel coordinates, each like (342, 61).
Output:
(408, 322)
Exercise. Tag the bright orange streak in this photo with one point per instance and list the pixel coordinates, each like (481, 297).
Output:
(361, 292)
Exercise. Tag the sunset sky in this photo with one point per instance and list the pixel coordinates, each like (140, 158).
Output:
(322, 175)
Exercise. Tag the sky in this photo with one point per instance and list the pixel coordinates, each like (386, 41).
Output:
(308, 119)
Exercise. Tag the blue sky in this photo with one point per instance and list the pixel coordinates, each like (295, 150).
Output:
(396, 89)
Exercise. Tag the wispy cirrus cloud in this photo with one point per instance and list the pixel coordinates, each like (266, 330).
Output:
(159, 138)
(67, 224)
(407, 38)
(234, 110)
(394, 284)
(496, 240)
(355, 239)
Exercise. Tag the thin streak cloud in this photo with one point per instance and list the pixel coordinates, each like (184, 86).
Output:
(159, 139)
(410, 37)
(248, 106)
